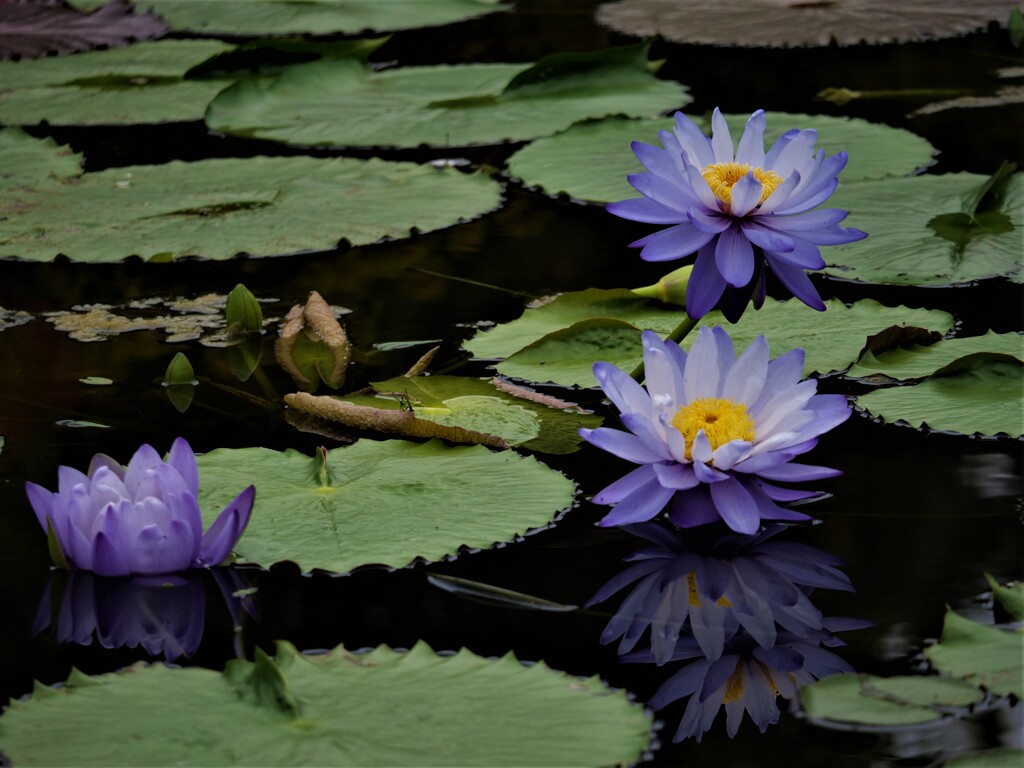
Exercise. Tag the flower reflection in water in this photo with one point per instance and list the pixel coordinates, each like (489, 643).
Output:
(164, 616)
(738, 609)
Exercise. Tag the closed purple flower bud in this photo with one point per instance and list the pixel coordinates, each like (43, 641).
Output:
(141, 519)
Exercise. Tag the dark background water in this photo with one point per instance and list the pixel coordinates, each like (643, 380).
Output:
(918, 517)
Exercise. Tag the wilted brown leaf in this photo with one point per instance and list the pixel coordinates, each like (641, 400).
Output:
(312, 345)
(524, 393)
(33, 28)
(776, 23)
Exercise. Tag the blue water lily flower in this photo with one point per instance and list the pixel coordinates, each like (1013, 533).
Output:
(712, 432)
(739, 208)
(141, 519)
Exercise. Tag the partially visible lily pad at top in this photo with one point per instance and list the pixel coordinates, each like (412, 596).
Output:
(980, 393)
(316, 17)
(930, 230)
(141, 83)
(330, 709)
(558, 342)
(386, 503)
(217, 209)
(343, 103)
(772, 23)
(590, 161)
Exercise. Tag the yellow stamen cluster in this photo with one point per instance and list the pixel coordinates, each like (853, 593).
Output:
(694, 595)
(722, 176)
(722, 421)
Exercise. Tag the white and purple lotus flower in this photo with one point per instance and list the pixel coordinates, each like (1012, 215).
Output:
(142, 519)
(713, 432)
(739, 208)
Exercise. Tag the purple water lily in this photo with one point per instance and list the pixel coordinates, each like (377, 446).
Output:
(739, 209)
(140, 519)
(711, 430)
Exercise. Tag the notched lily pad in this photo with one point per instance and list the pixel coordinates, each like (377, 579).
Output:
(932, 230)
(343, 103)
(982, 655)
(773, 23)
(390, 503)
(591, 160)
(978, 393)
(317, 710)
(316, 17)
(30, 30)
(897, 363)
(217, 209)
(852, 700)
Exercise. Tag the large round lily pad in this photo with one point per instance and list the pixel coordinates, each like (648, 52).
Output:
(377, 709)
(389, 503)
(774, 23)
(929, 230)
(590, 161)
(981, 654)
(343, 103)
(142, 83)
(262, 206)
(317, 17)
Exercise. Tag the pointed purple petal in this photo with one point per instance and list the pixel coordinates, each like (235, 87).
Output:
(226, 530)
(183, 460)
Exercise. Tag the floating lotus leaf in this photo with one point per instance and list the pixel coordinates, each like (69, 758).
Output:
(390, 503)
(262, 206)
(382, 708)
(775, 23)
(895, 701)
(479, 405)
(29, 30)
(317, 17)
(916, 362)
(981, 654)
(922, 234)
(590, 161)
(560, 341)
(1001, 757)
(343, 103)
(143, 83)
(977, 393)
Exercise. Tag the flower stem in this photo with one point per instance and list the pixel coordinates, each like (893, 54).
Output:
(677, 335)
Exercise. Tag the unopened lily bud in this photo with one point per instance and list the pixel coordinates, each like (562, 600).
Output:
(671, 288)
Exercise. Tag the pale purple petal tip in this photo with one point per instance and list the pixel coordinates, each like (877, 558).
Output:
(183, 459)
(226, 530)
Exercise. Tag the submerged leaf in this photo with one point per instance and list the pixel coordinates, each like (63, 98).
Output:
(391, 503)
(773, 23)
(440, 710)
(30, 30)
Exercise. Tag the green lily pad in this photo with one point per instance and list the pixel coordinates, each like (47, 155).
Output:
(330, 709)
(894, 701)
(1010, 596)
(390, 503)
(560, 341)
(991, 758)
(921, 233)
(590, 161)
(478, 405)
(217, 209)
(317, 17)
(919, 361)
(977, 393)
(980, 654)
(142, 83)
(343, 103)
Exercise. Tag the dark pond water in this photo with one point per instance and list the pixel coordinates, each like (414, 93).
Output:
(917, 517)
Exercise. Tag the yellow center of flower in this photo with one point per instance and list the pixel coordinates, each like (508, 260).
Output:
(722, 176)
(734, 685)
(694, 595)
(722, 420)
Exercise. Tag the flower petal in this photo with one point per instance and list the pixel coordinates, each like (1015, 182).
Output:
(622, 389)
(734, 257)
(748, 374)
(751, 147)
(797, 282)
(721, 139)
(672, 243)
(183, 460)
(706, 284)
(736, 506)
(645, 210)
(226, 530)
(642, 504)
(746, 194)
(678, 477)
(626, 484)
(798, 473)
(623, 444)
